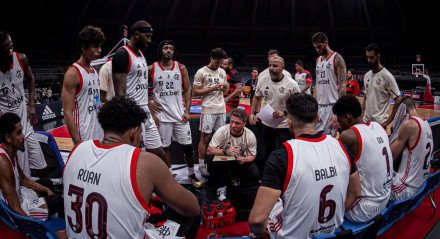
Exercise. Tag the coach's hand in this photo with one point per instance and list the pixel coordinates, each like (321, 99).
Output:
(253, 119)
(278, 114)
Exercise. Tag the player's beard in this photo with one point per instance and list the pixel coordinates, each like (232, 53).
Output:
(324, 52)
(373, 65)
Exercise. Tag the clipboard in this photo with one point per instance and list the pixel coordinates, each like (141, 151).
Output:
(218, 158)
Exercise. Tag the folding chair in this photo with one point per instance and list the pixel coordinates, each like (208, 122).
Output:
(33, 228)
(345, 234)
(365, 230)
(396, 211)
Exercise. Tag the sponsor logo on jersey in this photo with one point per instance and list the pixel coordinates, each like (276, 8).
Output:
(48, 113)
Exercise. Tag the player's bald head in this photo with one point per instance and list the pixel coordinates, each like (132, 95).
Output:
(277, 60)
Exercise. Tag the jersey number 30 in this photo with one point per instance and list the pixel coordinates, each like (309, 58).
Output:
(92, 198)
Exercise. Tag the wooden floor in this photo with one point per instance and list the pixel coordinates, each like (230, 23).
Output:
(66, 144)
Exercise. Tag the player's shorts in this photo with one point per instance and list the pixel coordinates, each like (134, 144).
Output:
(32, 157)
(400, 191)
(210, 122)
(177, 131)
(325, 113)
(150, 134)
(31, 204)
(365, 210)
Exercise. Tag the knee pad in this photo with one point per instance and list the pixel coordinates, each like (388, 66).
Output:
(188, 149)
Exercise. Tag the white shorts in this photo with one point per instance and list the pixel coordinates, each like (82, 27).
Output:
(32, 157)
(325, 113)
(150, 134)
(365, 210)
(399, 193)
(31, 204)
(180, 132)
(209, 122)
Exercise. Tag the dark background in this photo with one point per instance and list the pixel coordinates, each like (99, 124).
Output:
(46, 31)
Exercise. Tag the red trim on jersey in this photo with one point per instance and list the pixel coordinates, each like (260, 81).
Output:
(181, 75)
(128, 49)
(133, 167)
(289, 165)
(319, 139)
(345, 152)
(70, 154)
(105, 146)
(326, 59)
(19, 62)
(83, 67)
(78, 89)
(359, 140)
(160, 66)
(418, 134)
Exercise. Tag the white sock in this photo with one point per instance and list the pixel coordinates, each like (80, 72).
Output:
(201, 163)
(190, 170)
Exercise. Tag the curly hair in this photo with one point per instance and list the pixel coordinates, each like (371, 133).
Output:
(7, 124)
(347, 104)
(121, 114)
(303, 107)
(90, 35)
(218, 54)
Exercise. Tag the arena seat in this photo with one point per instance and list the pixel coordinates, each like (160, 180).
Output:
(365, 230)
(31, 228)
(345, 234)
(432, 182)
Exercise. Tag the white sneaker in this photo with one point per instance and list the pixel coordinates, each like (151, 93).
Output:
(204, 171)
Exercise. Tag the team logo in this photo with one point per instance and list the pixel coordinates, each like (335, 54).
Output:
(221, 75)
(378, 81)
(18, 74)
(217, 80)
(282, 89)
(328, 66)
(48, 113)
(176, 76)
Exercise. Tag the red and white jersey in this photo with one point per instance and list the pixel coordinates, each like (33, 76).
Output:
(416, 159)
(12, 96)
(315, 187)
(87, 104)
(374, 161)
(16, 175)
(137, 77)
(326, 80)
(167, 86)
(303, 79)
(101, 195)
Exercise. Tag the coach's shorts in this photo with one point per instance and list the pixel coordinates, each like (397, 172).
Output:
(209, 122)
(31, 204)
(177, 131)
(32, 157)
(325, 113)
(365, 210)
(150, 134)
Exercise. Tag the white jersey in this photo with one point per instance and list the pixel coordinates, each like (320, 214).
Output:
(167, 86)
(327, 80)
(12, 96)
(374, 162)
(303, 79)
(414, 168)
(101, 195)
(315, 187)
(15, 169)
(87, 104)
(137, 77)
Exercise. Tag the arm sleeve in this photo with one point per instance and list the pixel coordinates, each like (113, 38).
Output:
(198, 79)
(120, 61)
(274, 172)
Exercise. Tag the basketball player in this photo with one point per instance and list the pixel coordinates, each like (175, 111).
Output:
(331, 75)
(234, 80)
(80, 94)
(370, 190)
(252, 82)
(352, 84)
(415, 140)
(303, 78)
(17, 189)
(210, 83)
(311, 175)
(380, 85)
(274, 89)
(130, 78)
(272, 53)
(108, 183)
(169, 79)
(14, 72)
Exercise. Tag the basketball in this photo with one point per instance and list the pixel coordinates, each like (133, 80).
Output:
(247, 90)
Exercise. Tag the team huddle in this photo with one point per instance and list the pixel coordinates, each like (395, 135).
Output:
(309, 181)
